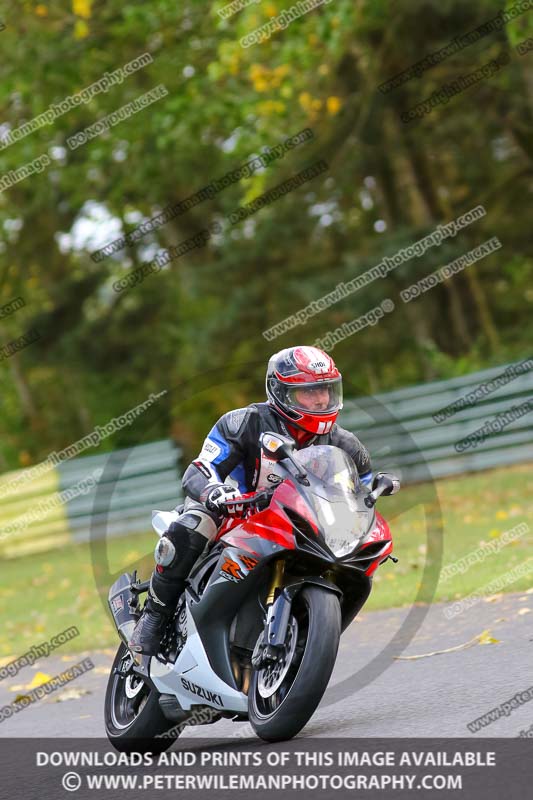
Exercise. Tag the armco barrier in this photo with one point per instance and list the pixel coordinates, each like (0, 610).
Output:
(138, 480)
(402, 435)
(398, 428)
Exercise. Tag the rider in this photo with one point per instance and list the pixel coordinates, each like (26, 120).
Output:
(304, 391)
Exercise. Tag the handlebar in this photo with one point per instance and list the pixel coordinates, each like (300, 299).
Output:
(256, 500)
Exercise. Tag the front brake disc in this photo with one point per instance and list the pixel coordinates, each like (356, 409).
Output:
(271, 677)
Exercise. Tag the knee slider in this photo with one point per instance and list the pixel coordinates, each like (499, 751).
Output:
(178, 549)
(165, 552)
(172, 545)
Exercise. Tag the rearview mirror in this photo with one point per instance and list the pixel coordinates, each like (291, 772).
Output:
(275, 446)
(384, 483)
(389, 482)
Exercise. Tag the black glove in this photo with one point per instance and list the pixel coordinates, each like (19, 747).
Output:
(216, 497)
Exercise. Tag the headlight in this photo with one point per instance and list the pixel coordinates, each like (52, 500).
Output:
(341, 544)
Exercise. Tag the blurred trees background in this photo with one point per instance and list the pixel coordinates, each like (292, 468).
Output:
(196, 327)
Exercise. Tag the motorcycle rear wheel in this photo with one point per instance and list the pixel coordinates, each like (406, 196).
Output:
(282, 698)
(133, 718)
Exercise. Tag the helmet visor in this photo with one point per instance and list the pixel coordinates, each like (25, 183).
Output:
(323, 397)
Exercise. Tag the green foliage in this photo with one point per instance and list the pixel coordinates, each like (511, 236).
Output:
(197, 325)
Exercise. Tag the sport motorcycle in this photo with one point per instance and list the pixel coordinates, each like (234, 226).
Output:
(256, 632)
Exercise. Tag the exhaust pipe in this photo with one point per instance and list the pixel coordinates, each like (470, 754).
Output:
(124, 605)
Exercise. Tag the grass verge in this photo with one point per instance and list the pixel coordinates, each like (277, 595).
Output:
(45, 594)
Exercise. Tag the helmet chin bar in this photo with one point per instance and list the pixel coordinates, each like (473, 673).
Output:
(320, 427)
(286, 414)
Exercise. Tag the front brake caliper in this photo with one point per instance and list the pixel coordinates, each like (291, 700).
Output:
(265, 654)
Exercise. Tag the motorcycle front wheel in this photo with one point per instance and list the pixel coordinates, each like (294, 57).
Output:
(134, 721)
(283, 696)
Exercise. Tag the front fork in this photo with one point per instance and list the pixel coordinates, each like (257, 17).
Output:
(270, 645)
(277, 580)
(278, 611)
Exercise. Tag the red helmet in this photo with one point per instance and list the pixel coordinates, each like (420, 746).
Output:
(305, 387)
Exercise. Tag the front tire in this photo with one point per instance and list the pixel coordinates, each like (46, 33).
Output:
(283, 698)
(133, 718)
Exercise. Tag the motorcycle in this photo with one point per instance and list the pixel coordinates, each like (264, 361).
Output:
(255, 634)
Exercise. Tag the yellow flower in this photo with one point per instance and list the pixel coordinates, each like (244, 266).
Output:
(41, 11)
(81, 29)
(271, 107)
(82, 8)
(305, 100)
(333, 105)
(255, 71)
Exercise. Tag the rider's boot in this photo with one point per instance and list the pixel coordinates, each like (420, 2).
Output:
(149, 629)
(175, 555)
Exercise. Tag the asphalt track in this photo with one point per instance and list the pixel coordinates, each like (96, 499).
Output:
(429, 697)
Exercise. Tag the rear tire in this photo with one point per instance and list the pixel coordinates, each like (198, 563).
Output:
(133, 718)
(316, 623)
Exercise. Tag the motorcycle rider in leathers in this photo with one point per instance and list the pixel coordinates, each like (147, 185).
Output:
(304, 391)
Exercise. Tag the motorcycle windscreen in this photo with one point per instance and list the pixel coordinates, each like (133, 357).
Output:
(337, 496)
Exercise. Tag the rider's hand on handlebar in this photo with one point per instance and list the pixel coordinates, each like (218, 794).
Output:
(225, 500)
(242, 505)
(235, 507)
(221, 499)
